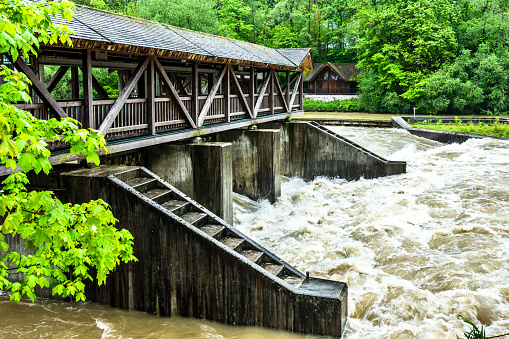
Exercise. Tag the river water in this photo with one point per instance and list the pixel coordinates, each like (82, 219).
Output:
(417, 250)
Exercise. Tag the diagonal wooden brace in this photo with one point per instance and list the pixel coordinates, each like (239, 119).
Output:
(263, 88)
(123, 96)
(243, 100)
(40, 89)
(280, 91)
(173, 92)
(295, 90)
(59, 74)
(210, 97)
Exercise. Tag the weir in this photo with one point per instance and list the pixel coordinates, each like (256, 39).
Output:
(192, 262)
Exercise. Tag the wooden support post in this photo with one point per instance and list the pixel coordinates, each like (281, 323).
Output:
(56, 78)
(287, 90)
(88, 97)
(195, 91)
(226, 93)
(75, 84)
(301, 91)
(34, 63)
(271, 92)
(210, 82)
(39, 88)
(252, 86)
(121, 82)
(151, 112)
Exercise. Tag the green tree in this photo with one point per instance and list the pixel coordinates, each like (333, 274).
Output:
(405, 41)
(234, 16)
(198, 15)
(67, 241)
(475, 83)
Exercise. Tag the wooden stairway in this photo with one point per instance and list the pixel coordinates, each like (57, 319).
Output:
(190, 212)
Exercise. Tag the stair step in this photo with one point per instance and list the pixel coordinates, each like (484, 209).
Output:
(138, 181)
(156, 192)
(215, 231)
(233, 243)
(275, 269)
(195, 218)
(254, 256)
(292, 280)
(178, 207)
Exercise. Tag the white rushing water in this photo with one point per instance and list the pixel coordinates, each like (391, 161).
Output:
(417, 250)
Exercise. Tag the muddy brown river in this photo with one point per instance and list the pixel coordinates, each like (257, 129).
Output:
(417, 250)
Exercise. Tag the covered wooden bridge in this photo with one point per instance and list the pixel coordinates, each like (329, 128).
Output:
(173, 83)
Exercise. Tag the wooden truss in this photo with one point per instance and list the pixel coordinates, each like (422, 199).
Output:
(194, 114)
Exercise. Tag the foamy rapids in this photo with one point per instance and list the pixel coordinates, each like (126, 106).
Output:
(417, 250)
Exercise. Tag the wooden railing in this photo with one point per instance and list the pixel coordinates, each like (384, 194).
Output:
(132, 119)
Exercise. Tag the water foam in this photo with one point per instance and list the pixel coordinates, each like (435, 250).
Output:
(417, 249)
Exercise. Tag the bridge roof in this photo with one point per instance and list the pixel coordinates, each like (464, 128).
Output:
(112, 31)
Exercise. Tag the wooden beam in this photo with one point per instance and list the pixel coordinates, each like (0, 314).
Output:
(301, 90)
(151, 97)
(210, 81)
(173, 92)
(88, 96)
(271, 92)
(294, 93)
(122, 96)
(252, 86)
(195, 92)
(181, 89)
(210, 97)
(293, 77)
(75, 83)
(187, 81)
(40, 89)
(280, 91)
(287, 89)
(243, 100)
(226, 94)
(56, 78)
(263, 88)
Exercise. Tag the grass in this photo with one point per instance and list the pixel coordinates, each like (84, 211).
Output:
(496, 129)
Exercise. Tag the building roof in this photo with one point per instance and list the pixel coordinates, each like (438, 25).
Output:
(347, 71)
(112, 29)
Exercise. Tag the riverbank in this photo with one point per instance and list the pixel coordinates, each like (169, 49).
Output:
(360, 118)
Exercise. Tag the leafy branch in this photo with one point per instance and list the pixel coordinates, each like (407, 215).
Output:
(64, 242)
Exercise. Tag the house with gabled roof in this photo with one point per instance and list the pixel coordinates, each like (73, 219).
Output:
(331, 78)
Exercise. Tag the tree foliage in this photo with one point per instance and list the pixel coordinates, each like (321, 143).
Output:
(405, 41)
(67, 242)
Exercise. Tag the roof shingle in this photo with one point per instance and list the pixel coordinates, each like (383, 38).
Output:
(97, 25)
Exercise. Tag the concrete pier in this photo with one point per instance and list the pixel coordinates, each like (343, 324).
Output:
(256, 162)
(212, 174)
(202, 170)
